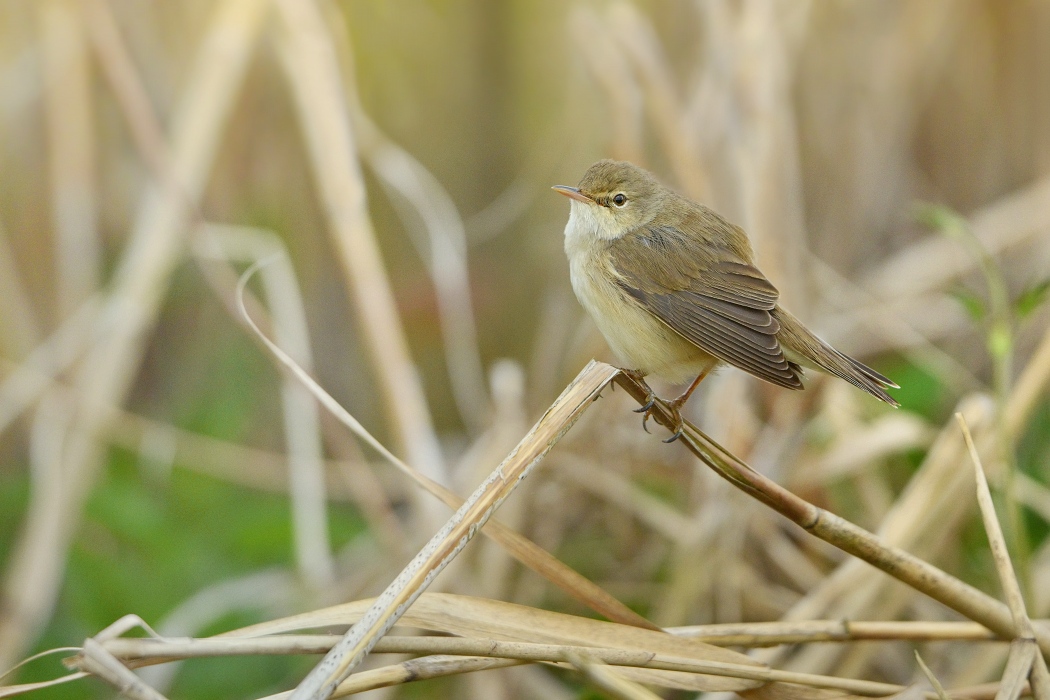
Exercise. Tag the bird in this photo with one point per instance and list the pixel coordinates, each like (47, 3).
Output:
(673, 287)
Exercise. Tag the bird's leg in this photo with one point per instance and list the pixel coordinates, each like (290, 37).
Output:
(675, 406)
(680, 401)
(650, 396)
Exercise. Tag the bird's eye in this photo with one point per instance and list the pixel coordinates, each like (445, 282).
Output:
(620, 199)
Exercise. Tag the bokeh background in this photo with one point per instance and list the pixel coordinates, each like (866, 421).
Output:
(890, 160)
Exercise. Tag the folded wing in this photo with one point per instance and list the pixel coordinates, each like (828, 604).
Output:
(707, 294)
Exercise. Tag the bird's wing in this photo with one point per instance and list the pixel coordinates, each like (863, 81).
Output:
(708, 294)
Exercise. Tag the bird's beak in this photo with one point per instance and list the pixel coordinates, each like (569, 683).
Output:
(572, 193)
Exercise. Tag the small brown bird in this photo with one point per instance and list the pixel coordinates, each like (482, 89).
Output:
(674, 289)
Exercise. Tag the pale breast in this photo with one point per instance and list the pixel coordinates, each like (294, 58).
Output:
(640, 340)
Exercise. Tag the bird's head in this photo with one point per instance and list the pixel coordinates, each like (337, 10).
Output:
(615, 197)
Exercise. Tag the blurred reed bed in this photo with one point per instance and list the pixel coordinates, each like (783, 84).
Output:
(390, 167)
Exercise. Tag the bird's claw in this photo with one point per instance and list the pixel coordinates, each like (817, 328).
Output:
(677, 424)
(671, 407)
(647, 407)
(650, 403)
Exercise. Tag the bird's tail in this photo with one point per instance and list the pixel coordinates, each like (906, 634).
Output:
(801, 346)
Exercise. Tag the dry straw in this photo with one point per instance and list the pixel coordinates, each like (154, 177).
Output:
(746, 130)
(127, 313)
(371, 620)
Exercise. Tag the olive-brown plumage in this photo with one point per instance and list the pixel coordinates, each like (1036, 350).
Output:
(673, 287)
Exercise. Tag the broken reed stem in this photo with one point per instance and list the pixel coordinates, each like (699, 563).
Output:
(355, 645)
(527, 552)
(905, 567)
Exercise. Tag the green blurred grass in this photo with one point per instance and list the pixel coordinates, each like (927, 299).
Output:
(180, 536)
(151, 538)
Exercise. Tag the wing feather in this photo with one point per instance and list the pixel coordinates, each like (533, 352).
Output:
(723, 338)
(708, 293)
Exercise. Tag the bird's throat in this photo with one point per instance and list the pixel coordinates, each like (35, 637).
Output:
(591, 221)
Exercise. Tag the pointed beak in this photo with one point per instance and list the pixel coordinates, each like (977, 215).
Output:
(572, 193)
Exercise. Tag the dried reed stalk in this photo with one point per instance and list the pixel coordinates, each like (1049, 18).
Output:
(71, 152)
(746, 634)
(39, 555)
(305, 461)
(1005, 223)
(138, 651)
(921, 519)
(19, 328)
(517, 546)
(385, 611)
(26, 382)
(349, 477)
(424, 203)
(451, 539)
(438, 666)
(153, 650)
(1024, 660)
(312, 67)
(931, 497)
(607, 679)
(96, 660)
(854, 540)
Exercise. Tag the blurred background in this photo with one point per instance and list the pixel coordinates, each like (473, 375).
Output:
(392, 162)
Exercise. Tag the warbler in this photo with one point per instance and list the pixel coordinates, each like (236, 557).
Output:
(673, 287)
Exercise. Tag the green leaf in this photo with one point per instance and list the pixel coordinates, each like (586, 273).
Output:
(1032, 298)
(940, 217)
(1000, 341)
(971, 302)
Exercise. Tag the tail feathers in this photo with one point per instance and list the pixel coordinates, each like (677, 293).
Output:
(859, 375)
(803, 347)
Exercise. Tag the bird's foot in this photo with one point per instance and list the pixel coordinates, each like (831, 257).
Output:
(647, 409)
(674, 407)
(636, 376)
(650, 397)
